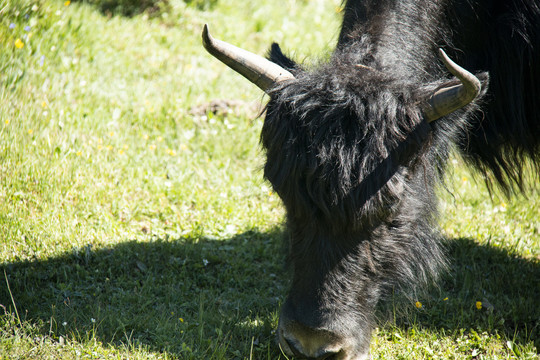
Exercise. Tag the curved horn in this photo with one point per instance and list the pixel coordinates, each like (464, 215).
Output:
(449, 99)
(255, 68)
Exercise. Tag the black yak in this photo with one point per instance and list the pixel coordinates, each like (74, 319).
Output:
(357, 145)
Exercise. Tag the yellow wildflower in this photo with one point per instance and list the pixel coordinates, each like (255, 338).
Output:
(479, 305)
(67, 3)
(445, 299)
(418, 304)
(152, 147)
(30, 131)
(181, 320)
(79, 153)
(6, 122)
(19, 44)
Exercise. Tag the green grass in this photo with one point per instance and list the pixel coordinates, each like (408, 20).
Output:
(135, 225)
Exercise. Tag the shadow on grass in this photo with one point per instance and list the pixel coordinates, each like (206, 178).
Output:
(487, 289)
(195, 298)
(206, 298)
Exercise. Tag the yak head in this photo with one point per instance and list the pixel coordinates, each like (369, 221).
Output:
(347, 148)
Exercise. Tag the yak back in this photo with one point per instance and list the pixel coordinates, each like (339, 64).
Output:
(501, 37)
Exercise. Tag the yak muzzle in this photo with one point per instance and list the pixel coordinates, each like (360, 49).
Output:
(304, 342)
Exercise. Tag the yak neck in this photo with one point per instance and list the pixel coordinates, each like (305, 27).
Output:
(399, 38)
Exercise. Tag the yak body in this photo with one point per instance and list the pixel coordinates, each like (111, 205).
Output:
(356, 163)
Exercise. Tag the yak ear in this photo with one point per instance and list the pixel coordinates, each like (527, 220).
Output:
(275, 55)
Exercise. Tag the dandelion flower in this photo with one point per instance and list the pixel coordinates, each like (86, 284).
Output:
(6, 122)
(445, 299)
(181, 320)
(30, 131)
(19, 44)
(418, 304)
(479, 305)
(67, 3)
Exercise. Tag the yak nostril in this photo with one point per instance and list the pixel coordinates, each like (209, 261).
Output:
(293, 348)
(327, 355)
(306, 342)
(300, 353)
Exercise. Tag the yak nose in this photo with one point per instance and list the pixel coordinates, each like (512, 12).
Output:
(304, 342)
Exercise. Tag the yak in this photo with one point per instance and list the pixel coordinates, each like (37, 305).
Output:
(357, 145)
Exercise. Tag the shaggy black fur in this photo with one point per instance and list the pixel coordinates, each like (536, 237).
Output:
(356, 164)
(503, 38)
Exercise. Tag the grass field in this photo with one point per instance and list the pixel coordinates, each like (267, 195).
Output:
(135, 222)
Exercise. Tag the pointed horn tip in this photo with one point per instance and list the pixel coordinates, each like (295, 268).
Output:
(449, 63)
(206, 37)
(447, 100)
(460, 72)
(442, 54)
